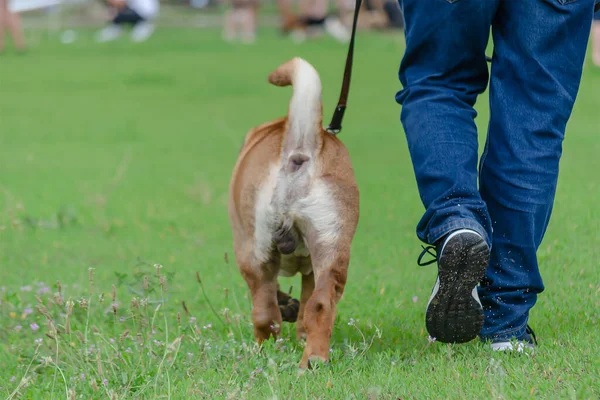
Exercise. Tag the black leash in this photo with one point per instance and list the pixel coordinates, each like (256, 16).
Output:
(335, 126)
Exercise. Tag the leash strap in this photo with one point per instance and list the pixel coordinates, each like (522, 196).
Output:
(335, 126)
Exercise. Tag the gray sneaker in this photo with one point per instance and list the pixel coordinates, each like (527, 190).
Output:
(454, 312)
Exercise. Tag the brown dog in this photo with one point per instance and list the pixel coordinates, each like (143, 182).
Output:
(293, 208)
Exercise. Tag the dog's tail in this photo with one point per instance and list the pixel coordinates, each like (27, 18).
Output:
(305, 115)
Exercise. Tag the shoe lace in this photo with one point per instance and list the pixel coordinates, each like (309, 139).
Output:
(530, 331)
(431, 250)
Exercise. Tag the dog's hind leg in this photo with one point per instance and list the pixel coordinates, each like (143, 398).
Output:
(308, 286)
(262, 282)
(320, 310)
(328, 222)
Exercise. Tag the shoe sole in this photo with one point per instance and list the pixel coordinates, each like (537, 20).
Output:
(454, 313)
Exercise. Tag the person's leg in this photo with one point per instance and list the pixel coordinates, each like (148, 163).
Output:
(229, 25)
(248, 16)
(539, 50)
(3, 11)
(596, 39)
(13, 22)
(442, 72)
(248, 28)
(287, 17)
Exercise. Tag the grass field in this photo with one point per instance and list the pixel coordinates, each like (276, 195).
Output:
(117, 157)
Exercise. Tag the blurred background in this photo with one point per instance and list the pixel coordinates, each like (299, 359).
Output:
(120, 123)
(239, 19)
(121, 120)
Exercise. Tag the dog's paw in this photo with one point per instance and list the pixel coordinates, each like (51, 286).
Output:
(288, 306)
(316, 362)
(313, 362)
(289, 312)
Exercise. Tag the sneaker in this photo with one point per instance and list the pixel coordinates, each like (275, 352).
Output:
(527, 341)
(454, 312)
(337, 30)
(142, 31)
(109, 33)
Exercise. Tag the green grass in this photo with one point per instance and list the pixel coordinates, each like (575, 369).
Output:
(117, 157)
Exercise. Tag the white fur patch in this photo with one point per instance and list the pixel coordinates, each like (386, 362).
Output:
(320, 211)
(265, 216)
(317, 209)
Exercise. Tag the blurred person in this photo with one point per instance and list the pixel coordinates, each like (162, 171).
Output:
(394, 14)
(11, 22)
(140, 14)
(485, 218)
(241, 21)
(376, 15)
(596, 39)
(314, 17)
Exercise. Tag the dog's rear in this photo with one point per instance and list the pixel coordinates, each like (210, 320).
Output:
(293, 208)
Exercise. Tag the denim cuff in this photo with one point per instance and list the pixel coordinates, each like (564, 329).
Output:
(456, 224)
(506, 336)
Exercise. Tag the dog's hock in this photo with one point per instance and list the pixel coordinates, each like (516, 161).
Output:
(266, 323)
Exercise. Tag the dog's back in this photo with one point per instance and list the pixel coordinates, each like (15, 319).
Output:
(293, 201)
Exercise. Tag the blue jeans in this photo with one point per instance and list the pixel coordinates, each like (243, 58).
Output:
(539, 51)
